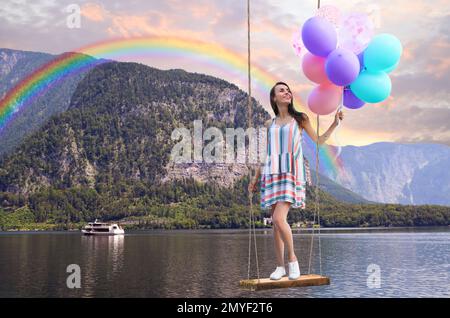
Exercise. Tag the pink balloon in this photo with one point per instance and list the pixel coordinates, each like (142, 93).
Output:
(314, 68)
(330, 13)
(355, 32)
(324, 99)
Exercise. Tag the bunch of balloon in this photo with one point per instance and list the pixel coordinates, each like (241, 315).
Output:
(345, 60)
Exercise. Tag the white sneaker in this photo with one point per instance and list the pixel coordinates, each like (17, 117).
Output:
(278, 273)
(294, 270)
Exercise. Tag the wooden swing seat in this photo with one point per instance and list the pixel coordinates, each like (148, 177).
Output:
(285, 282)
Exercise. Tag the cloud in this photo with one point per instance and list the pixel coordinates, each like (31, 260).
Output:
(402, 122)
(93, 12)
(145, 21)
(416, 110)
(425, 73)
(125, 24)
(22, 12)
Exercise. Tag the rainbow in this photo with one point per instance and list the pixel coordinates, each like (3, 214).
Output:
(210, 54)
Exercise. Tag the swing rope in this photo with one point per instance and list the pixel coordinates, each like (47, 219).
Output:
(252, 227)
(316, 209)
(316, 197)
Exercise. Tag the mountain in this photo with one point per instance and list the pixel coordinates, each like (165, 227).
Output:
(398, 173)
(118, 127)
(137, 101)
(338, 191)
(16, 65)
(107, 157)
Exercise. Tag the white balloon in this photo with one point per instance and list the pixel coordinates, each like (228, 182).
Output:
(355, 32)
(330, 13)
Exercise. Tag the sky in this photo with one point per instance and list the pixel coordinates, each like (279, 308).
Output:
(418, 110)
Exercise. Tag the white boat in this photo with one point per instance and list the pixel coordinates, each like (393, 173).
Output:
(100, 228)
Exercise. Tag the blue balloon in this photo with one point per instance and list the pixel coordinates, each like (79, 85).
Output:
(361, 61)
(372, 87)
(382, 53)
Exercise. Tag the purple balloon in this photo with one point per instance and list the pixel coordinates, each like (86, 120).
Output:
(351, 101)
(319, 36)
(342, 67)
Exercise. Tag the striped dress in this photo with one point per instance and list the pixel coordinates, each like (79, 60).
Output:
(283, 175)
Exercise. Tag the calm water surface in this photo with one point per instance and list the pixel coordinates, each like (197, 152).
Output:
(412, 263)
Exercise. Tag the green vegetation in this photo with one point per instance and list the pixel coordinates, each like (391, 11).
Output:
(191, 205)
(22, 219)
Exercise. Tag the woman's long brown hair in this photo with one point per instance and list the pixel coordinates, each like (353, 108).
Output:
(300, 117)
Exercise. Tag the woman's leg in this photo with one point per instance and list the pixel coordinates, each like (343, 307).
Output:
(279, 220)
(279, 245)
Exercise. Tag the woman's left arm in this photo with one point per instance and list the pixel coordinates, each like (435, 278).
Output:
(310, 131)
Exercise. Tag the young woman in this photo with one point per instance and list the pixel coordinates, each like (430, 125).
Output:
(283, 180)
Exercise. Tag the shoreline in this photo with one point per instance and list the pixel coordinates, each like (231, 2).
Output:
(323, 229)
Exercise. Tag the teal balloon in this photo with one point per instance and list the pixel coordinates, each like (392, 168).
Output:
(372, 87)
(382, 53)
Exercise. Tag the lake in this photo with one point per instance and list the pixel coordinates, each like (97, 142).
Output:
(398, 262)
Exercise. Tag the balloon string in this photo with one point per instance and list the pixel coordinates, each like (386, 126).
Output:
(336, 134)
